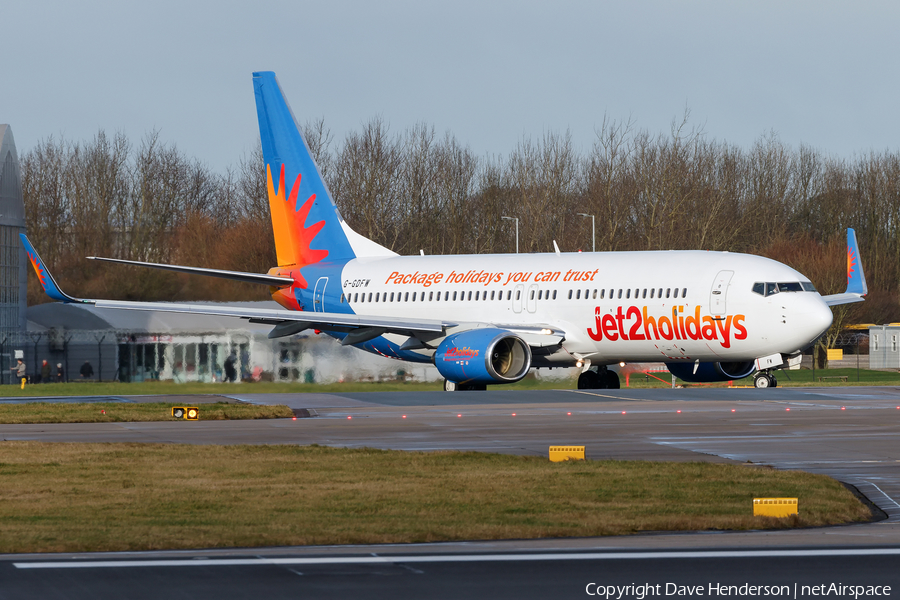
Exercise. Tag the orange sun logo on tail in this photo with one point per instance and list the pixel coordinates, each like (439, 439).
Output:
(292, 237)
(851, 262)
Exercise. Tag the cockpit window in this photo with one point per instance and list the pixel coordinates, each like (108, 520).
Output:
(792, 286)
(769, 288)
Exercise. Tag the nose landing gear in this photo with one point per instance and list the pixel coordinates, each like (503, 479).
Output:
(765, 379)
(602, 379)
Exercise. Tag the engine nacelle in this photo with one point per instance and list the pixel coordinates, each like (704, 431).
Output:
(712, 371)
(483, 356)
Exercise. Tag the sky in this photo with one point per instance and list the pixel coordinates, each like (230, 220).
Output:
(820, 73)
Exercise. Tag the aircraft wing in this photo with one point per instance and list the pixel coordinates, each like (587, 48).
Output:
(359, 328)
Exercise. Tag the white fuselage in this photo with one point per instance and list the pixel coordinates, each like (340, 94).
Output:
(612, 306)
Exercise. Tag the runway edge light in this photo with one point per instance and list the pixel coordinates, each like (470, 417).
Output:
(561, 453)
(178, 412)
(193, 413)
(775, 507)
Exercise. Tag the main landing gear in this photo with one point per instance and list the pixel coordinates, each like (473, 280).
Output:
(765, 379)
(452, 386)
(602, 379)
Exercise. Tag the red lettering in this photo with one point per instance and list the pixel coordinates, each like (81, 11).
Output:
(694, 320)
(666, 332)
(609, 327)
(650, 322)
(633, 333)
(726, 332)
(740, 332)
(596, 335)
(620, 317)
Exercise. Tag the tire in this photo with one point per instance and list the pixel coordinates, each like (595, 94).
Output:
(588, 380)
(762, 381)
(612, 380)
(450, 386)
(774, 381)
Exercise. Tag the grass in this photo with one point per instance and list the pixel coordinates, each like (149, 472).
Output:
(785, 379)
(120, 412)
(107, 497)
(800, 378)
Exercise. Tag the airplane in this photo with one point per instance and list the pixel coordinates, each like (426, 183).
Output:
(490, 319)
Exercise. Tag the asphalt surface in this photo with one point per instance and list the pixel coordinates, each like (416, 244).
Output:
(848, 433)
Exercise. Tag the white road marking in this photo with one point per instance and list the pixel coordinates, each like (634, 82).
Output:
(457, 558)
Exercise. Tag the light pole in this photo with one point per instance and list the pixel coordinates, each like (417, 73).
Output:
(516, 219)
(593, 231)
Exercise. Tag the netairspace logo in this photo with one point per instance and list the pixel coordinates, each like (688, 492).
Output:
(717, 590)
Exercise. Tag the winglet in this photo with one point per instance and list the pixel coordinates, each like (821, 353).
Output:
(44, 276)
(856, 279)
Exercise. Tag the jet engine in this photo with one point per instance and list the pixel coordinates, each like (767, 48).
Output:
(483, 356)
(711, 371)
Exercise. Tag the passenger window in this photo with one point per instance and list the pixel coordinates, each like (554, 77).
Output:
(476, 295)
(470, 296)
(620, 294)
(595, 294)
(668, 291)
(628, 293)
(518, 294)
(651, 293)
(759, 288)
(554, 294)
(645, 293)
(570, 294)
(578, 294)
(602, 293)
(509, 295)
(454, 296)
(406, 297)
(532, 295)
(377, 296)
(342, 298)
(684, 293)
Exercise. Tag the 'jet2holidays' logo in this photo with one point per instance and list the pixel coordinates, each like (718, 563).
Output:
(465, 353)
(636, 324)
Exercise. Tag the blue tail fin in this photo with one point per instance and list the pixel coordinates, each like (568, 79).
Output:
(297, 193)
(856, 279)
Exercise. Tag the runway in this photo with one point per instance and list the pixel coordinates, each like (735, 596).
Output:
(849, 433)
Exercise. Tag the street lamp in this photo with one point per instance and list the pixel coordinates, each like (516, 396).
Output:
(593, 231)
(516, 219)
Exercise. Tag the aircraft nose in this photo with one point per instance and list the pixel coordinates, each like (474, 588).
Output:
(817, 317)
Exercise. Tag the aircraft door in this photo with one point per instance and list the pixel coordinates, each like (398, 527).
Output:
(319, 295)
(531, 298)
(718, 293)
(518, 292)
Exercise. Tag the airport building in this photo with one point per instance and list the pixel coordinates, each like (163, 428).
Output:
(127, 345)
(884, 346)
(13, 261)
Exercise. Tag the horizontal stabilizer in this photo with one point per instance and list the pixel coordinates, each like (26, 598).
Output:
(271, 280)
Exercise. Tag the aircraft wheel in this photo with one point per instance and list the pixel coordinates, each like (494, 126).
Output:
(588, 380)
(774, 381)
(612, 380)
(762, 381)
(450, 386)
